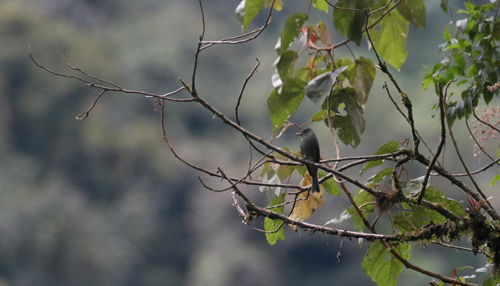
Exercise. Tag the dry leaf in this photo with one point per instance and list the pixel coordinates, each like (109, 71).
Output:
(304, 208)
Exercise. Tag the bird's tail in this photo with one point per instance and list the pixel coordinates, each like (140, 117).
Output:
(315, 184)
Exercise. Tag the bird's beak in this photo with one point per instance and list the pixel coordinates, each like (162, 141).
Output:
(298, 134)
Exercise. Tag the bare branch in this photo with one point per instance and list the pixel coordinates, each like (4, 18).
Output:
(442, 117)
(85, 114)
(251, 35)
(113, 87)
(495, 162)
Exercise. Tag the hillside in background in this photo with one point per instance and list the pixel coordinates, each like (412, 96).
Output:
(103, 201)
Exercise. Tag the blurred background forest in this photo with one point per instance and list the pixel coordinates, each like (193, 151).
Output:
(103, 201)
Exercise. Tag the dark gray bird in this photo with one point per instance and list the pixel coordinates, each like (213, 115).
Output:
(310, 151)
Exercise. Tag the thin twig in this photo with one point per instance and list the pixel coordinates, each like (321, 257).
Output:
(442, 118)
(197, 53)
(475, 140)
(85, 114)
(251, 35)
(495, 162)
(113, 87)
(479, 119)
(251, 144)
(86, 73)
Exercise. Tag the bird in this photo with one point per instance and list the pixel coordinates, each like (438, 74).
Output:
(309, 147)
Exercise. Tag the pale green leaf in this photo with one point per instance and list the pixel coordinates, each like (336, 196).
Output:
(319, 88)
(381, 266)
(321, 115)
(252, 8)
(320, 5)
(447, 34)
(282, 106)
(331, 186)
(380, 175)
(274, 228)
(293, 25)
(472, 71)
(439, 197)
(278, 4)
(387, 148)
(390, 39)
(495, 179)
(384, 149)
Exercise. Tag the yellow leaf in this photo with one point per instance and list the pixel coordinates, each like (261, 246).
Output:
(307, 203)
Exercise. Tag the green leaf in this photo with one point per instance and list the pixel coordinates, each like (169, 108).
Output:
(271, 225)
(318, 88)
(342, 62)
(415, 218)
(320, 115)
(459, 60)
(471, 28)
(282, 106)
(418, 216)
(284, 171)
(371, 164)
(381, 266)
(428, 78)
(380, 175)
(361, 198)
(472, 71)
(492, 280)
(349, 127)
(252, 8)
(286, 63)
(321, 5)
(444, 5)
(409, 221)
(447, 34)
(464, 45)
(387, 148)
(412, 187)
(331, 186)
(413, 11)
(495, 179)
(439, 197)
(292, 29)
(390, 39)
(278, 4)
(384, 149)
(496, 31)
(350, 24)
(303, 74)
(361, 75)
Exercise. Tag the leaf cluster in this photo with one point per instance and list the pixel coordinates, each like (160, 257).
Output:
(339, 86)
(471, 56)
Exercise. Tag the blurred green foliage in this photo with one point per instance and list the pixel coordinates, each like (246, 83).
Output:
(471, 56)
